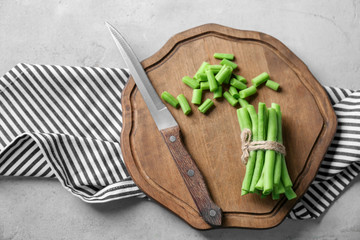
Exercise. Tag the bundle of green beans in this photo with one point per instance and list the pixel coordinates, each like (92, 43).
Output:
(266, 170)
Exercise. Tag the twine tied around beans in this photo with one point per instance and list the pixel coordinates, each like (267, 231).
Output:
(247, 145)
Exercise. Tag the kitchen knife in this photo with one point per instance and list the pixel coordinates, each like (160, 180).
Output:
(170, 131)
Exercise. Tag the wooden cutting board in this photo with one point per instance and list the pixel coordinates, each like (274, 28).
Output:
(213, 140)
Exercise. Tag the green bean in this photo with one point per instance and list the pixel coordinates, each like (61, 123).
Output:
(212, 81)
(273, 85)
(252, 157)
(285, 177)
(261, 78)
(277, 170)
(279, 189)
(245, 123)
(201, 69)
(230, 99)
(224, 55)
(236, 83)
(190, 82)
(227, 80)
(196, 97)
(254, 122)
(167, 97)
(207, 104)
(234, 92)
(247, 92)
(266, 119)
(229, 63)
(224, 73)
(214, 68)
(218, 93)
(201, 77)
(184, 104)
(260, 153)
(259, 166)
(243, 118)
(260, 184)
(243, 102)
(204, 86)
(263, 195)
(284, 174)
(270, 154)
(275, 196)
(240, 78)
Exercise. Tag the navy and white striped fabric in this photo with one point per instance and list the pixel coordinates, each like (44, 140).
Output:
(65, 123)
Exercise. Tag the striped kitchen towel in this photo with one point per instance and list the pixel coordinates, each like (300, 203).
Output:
(65, 123)
(341, 163)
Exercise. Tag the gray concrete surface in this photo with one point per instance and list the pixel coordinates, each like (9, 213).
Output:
(324, 34)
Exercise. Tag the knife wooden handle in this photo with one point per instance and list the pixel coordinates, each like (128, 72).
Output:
(192, 176)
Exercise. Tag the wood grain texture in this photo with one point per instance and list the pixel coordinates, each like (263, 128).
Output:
(213, 140)
(192, 177)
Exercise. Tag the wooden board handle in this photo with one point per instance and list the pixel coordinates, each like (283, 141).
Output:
(192, 176)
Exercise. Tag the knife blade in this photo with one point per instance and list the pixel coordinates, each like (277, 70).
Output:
(170, 130)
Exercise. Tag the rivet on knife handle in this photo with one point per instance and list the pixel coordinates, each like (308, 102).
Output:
(192, 176)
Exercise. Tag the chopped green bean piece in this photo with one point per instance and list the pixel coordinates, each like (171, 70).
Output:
(201, 69)
(201, 77)
(214, 68)
(203, 108)
(218, 93)
(212, 81)
(247, 92)
(229, 63)
(196, 97)
(273, 85)
(227, 80)
(234, 92)
(261, 78)
(230, 99)
(236, 83)
(224, 55)
(240, 78)
(243, 102)
(170, 99)
(190, 82)
(184, 104)
(204, 86)
(224, 73)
